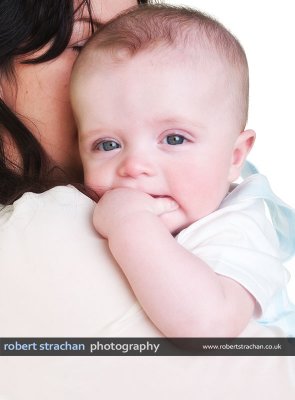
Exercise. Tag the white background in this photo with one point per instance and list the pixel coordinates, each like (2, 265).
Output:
(266, 30)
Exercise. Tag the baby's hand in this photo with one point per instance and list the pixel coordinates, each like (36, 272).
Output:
(117, 205)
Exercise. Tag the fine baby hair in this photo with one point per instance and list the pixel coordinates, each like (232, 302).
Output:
(160, 27)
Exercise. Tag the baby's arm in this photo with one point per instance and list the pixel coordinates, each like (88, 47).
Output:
(181, 294)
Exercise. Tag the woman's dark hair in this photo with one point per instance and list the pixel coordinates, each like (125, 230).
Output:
(25, 27)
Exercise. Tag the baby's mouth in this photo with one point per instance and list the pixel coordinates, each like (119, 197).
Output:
(160, 196)
(167, 197)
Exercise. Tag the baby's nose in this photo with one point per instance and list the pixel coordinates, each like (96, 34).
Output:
(135, 166)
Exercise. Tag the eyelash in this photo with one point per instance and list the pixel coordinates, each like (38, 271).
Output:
(77, 49)
(78, 45)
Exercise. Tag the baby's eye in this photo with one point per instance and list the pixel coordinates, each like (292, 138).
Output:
(174, 139)
(107, 145)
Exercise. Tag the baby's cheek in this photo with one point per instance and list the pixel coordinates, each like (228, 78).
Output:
(96, 182)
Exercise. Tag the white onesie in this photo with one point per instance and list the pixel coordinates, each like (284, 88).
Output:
(239, 241)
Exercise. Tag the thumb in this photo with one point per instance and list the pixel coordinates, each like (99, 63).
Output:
(164, 205)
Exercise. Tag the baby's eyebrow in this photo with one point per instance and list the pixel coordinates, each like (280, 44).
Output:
(90, 134)
(178, 120)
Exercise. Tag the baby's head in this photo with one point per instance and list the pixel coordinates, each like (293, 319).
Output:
(160, 96)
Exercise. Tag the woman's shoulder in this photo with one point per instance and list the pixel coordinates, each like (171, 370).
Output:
(61, 201)
(59, 195)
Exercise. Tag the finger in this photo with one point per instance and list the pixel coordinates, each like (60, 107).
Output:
(164, 205)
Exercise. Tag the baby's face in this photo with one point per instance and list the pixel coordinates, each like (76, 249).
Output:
(162, 126)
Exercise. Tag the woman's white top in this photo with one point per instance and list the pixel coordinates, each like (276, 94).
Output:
(49, 236)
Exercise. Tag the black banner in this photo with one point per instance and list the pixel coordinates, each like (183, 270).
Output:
(147, 346)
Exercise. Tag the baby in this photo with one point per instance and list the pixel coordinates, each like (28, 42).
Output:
(160, 95)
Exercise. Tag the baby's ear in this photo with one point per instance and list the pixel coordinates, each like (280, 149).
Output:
(242, 147)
